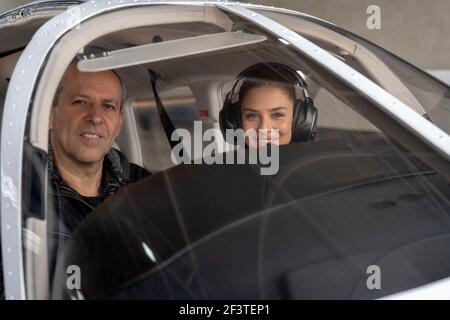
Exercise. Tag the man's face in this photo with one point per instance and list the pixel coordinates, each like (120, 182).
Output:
(87, 116)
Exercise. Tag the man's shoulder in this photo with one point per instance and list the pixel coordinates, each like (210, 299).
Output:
(131, 171)
(137, 172)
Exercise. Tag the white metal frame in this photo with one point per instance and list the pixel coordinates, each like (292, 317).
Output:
(26, 77)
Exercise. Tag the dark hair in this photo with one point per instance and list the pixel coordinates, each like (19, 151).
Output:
(268, 76)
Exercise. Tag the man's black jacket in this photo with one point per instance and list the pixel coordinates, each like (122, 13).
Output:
(67, 208)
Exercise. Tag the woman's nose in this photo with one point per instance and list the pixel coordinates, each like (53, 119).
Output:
(266, 123)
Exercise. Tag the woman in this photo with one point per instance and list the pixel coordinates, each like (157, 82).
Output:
(268, 102)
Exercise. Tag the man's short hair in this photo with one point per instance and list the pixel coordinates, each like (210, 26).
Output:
(74, 62)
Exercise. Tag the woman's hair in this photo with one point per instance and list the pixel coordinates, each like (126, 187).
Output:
(268, 76)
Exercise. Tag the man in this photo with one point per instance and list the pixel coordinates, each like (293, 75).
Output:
(85, 120)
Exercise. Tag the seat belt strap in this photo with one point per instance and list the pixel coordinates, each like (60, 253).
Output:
(167, 124)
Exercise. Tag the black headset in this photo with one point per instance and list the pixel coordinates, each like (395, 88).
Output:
(304, 121)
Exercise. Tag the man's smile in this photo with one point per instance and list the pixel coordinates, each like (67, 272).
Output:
(91, 136)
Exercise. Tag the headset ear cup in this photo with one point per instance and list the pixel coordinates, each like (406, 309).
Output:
(312, 116)
(229, 117)
(297, 120)
(304, 121)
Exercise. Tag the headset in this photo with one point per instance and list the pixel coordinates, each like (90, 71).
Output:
(304, 121)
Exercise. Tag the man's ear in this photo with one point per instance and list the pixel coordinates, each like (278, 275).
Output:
(122, 120)
(50, 119)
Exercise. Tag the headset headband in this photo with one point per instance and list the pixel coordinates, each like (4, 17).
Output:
(274, 66)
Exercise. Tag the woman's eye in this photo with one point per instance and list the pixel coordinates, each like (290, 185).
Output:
(250, 116)
(278, 115)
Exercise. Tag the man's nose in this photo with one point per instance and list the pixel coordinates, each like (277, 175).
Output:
(95, 115)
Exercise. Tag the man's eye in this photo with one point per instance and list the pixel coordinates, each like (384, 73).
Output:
(79, 102)
(109, 106)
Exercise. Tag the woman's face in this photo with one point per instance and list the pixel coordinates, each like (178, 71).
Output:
(268, 107)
